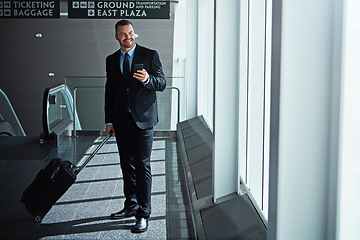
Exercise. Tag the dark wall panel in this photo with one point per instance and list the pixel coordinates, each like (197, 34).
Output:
(67, 48)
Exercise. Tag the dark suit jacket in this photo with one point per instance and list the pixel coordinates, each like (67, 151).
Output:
(141, 99)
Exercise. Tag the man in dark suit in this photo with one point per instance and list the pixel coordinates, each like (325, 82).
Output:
(131, 113)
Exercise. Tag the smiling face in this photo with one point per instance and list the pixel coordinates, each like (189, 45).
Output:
(126, 37)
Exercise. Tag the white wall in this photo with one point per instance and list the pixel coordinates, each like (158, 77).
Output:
(191, 58)
(205, 64)
(299, 208)
(314, 164)
(226, 111)
(256, 98)
(179, 58)
(185, 51)
(349, 166)
(241, 87)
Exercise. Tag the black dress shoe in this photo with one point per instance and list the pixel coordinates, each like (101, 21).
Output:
(140, 226)
(123, 214)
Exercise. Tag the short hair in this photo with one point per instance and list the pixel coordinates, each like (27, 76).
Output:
(122, 23)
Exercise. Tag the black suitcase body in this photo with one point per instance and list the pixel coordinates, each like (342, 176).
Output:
(51, 183)
(48, 186)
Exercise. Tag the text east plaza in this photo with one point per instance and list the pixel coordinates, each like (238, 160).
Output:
(123, 13)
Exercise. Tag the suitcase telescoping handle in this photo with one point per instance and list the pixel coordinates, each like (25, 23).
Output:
(93, 154)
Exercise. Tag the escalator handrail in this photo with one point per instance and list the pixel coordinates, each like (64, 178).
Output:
(45, 121)
(15, 118)
(6, 129)
(45, 111)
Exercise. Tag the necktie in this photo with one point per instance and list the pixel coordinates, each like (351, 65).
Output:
(126, 70)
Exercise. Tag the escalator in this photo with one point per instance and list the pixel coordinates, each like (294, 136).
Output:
(57, 118)
(6, 129)
(57, 121)
(14, 143)
(58, 115)
(9, 122)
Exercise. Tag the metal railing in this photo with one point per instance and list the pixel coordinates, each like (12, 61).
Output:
(178, 101)
(74, 133)
(74, 107)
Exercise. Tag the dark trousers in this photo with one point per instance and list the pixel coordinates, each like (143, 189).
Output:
(135, 146)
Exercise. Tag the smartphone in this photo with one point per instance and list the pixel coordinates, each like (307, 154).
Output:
(139, 66)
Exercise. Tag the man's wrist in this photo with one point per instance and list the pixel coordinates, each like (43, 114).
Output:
(147, 81)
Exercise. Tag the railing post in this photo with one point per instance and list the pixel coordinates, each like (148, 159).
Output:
(74, 111)
(178, 108)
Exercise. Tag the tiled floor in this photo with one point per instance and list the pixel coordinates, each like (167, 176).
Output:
(82, 212)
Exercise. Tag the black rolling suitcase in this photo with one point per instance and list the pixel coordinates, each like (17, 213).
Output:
(51, 183)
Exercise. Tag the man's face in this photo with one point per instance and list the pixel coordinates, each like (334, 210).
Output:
(126, 37)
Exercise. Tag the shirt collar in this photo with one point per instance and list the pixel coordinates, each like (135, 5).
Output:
(131, 52)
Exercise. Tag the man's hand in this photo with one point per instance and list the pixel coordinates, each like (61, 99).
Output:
(141, 75)
(110, 128)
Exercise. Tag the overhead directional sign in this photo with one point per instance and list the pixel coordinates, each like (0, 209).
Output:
(115, 9)
(30, 9)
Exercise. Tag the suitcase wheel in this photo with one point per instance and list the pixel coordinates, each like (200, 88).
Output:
(38, 218)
